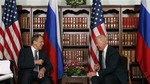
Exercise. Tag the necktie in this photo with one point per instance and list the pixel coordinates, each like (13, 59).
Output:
(103, 61)
(36, 58)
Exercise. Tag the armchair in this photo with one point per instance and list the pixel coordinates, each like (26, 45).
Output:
(125, 64)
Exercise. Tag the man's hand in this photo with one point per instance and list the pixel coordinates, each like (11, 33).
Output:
(39, 62)
(96, 67)
(41, 73)
(91, 74)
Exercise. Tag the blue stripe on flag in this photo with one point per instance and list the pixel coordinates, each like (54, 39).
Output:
(51, 26)
(60, 64)
(51, 30)
(144, 26)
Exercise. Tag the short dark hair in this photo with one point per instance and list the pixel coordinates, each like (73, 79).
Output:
(35, 37)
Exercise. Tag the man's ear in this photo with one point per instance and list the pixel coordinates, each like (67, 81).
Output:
(34, 42)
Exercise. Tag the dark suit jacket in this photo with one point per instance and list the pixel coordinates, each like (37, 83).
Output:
(113, 65)
(26, 61)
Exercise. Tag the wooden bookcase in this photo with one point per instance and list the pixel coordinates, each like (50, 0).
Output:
(74, 24)
(39, 17)
(32, 21)
(112, 24)
(25, 24)
(129, 26)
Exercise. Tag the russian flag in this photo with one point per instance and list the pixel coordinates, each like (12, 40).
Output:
(52, 43)
(143, 41)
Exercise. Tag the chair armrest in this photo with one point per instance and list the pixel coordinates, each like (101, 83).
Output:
(6, 76)
(5, 67)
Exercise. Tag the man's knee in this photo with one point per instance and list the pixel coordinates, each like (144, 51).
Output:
(107, 79)
(110, 80)
(96, 80)
(24, 78)
(46, 80)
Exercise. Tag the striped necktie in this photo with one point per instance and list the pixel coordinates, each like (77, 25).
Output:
(36, 58)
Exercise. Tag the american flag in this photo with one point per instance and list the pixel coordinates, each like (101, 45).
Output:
(97, 28)
(10, 38)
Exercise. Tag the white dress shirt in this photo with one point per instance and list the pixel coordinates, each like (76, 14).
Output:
(104, 54)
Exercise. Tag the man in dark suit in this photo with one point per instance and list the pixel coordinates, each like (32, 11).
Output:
(33, 63)
(109, 69)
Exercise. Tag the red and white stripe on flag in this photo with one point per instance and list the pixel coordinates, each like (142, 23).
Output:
(97, 27)
(10, 37)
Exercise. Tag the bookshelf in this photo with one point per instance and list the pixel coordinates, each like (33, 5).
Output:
(39, 17)
(121, 24)
(32, 21)
(129, 25)
(25, 24)
(112, 24)
(74, 24)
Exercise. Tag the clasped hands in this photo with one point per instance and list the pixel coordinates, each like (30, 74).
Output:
(96, 68)
(42, 70)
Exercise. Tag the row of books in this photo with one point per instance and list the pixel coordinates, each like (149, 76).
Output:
(130, 22)
(73, 55)
(130, 54)
(24, 22)
(26, 38)
(39, 26)
(111, 22)
(113, 38)
(39, 22)
(81, 39)
(136, 72)
(75, 39)
(75, 26)
(79, 22)
(75, 22)
(129, 38)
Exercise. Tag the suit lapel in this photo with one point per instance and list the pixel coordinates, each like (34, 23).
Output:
(40, 54)
(100, 58)
(31, 53)
(107, 54)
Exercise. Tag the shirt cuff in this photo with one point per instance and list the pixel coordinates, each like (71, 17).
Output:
(97, 74)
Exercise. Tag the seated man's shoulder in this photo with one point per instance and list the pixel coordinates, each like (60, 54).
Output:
(113, 48)
(25, 49)
(42, 51)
